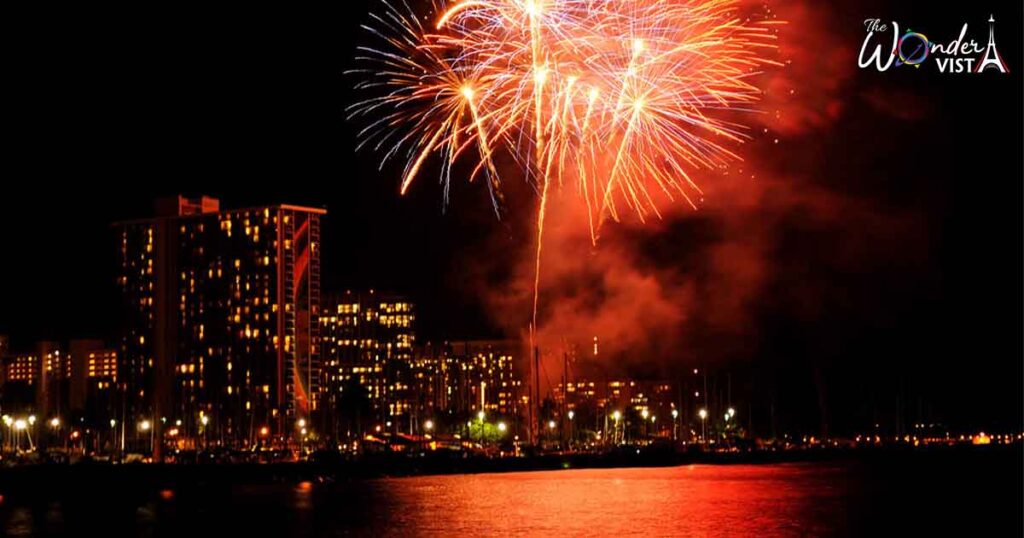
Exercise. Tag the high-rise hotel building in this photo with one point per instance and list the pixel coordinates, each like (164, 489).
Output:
(221, 309)
(368, 343)
(484, 377)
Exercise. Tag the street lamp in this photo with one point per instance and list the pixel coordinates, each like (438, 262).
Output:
(502, 427)
(301, 426)
(675, 424)
(480, 415)
(204, 420)
(428, 425)
(55, 426)
(9, 421)
(147, 426)
(21, 425)
(617, 415)
(703, 413)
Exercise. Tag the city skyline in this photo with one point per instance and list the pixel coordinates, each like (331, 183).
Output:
(404, 378)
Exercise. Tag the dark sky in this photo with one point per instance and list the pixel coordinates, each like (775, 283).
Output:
(106, 110)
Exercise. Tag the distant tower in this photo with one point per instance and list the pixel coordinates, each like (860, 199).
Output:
(991, 58)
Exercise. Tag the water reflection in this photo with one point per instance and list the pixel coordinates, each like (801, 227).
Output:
(822, 499)
(676, 501)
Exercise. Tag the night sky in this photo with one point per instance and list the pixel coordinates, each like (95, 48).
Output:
(107, 110)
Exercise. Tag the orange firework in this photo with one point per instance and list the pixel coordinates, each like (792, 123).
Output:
(620, 99)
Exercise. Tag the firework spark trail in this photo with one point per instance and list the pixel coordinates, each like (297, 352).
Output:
(650, 86)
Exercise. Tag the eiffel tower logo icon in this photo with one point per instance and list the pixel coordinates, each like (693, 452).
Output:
(991, 59)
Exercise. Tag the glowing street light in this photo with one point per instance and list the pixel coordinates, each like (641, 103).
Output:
(731, 412)
(571, 415)
(703, 413)
(428, 425)
(502, 427)
(617, 416)
(675, 413)
(301, 423)
(551, 424)
(204, 420)
(147, 426)
(20, 424)
(264, 431)
(31, 419)
(54, 422)
(645, 413)
(480, 415)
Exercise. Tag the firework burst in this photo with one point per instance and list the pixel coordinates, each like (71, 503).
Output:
(620, 100)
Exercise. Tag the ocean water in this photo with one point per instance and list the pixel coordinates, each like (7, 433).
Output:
(799, 499)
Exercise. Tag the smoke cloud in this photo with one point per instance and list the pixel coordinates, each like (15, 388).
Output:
(694, 286)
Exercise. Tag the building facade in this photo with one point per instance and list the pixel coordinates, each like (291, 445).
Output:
(367, 350)
(221, 317)
(93, 394)
(38, 380)
(595, 404)
(482, 377)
